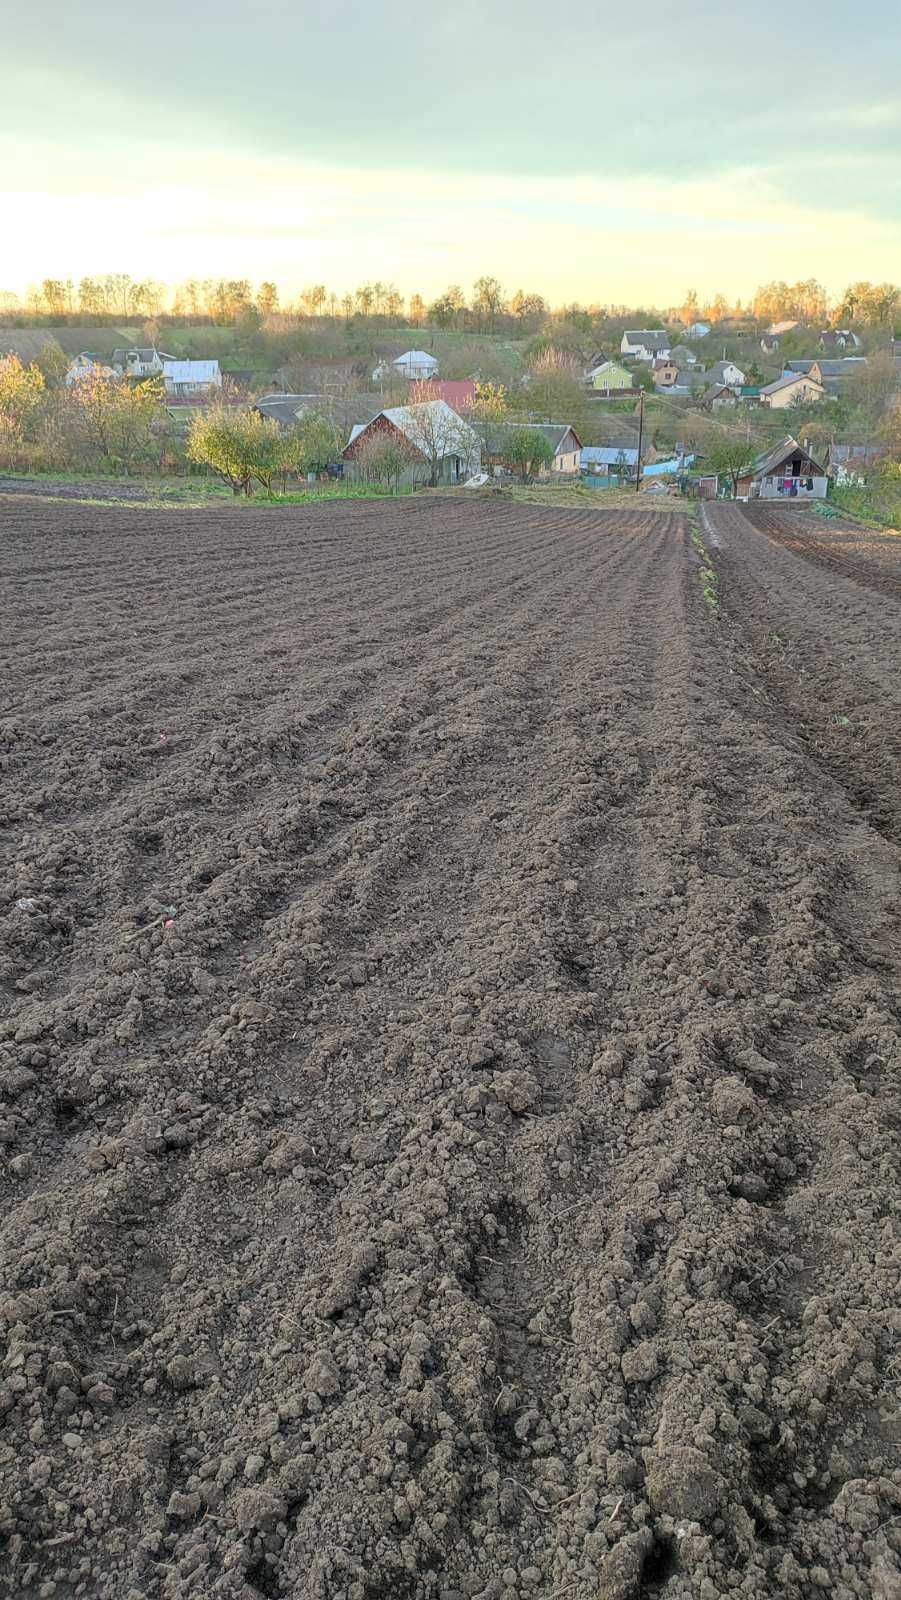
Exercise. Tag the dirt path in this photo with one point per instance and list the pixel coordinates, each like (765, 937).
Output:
(448, 1060)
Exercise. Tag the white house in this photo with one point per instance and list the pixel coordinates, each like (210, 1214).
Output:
(725, 372)
(417, 365)
(645, 343)
(143, 362)
(85, 365)
(184, 379)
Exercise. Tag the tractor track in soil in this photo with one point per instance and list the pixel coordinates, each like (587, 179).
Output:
(449, 1059)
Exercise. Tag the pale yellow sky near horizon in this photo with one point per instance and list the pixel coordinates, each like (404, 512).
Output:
(595, 240)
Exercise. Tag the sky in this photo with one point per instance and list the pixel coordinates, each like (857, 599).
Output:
(579, 151)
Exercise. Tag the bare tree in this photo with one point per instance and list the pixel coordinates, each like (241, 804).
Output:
(437, 432)
(386, 458)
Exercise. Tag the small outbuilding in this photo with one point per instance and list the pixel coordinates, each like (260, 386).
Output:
(609, 460)
(787, 472)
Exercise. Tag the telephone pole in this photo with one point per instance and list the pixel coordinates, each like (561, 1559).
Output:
(640, 436)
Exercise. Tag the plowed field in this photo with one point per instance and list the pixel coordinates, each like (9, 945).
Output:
(449, 1055)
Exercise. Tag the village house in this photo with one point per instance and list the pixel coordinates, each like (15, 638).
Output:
(142, 362)
(769, 343)
(697, 330)
(850, 463)
(643, 344)
(683, 356)
(836, 373)
(664, 371)
(412, 364)
(566, 444)
(821, 367)
(607, 377)
(782, 327)
(87, 364)
(839, 339)
(718, 396)
(833, 374)
(186, 380)
(787, 472)
(439, 443)
(685, 382)
(793, 388)
(286, 409)
(725, 372)
(459, 393)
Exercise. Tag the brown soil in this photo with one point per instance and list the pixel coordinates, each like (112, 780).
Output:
(449, 1058)
(871, 559)
(122, 489)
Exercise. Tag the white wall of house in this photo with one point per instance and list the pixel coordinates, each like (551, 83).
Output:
(136, 368)
(770, 488)
(641, 352)
(185, 378)
(416, 365)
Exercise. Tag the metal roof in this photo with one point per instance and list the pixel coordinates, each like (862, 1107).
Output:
(770, 459)
(415, 358)
(785, 382)
(841, 368)
(191, 371)
(458, 392)
(283, 409)
(418, 424)
(143, 353)
(651, 338)
(607, 455)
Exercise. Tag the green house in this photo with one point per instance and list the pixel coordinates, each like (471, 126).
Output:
(609, 375)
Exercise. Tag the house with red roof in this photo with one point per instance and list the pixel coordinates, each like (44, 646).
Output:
(459, 393)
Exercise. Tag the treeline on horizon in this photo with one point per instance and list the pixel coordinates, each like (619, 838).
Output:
(487, 307)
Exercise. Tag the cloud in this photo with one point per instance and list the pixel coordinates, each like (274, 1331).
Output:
(618, 154)
(481, 87)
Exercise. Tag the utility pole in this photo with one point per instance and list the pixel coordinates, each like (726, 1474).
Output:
(640, 435)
